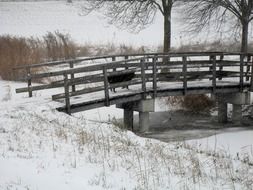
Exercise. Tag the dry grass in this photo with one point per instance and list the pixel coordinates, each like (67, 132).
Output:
(59, 46)
(194, 103)
(17, 51)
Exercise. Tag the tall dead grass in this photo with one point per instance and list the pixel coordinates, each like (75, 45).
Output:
(17, 51)
(59, 46)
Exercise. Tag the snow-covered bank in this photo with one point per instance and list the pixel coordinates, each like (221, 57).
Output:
(41, 148)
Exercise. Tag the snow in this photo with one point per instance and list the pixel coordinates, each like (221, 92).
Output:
(233, 142)
(41, 148)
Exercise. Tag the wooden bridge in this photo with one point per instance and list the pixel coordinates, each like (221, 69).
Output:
(133, 81)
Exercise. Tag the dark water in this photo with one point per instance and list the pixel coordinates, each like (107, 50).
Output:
(181, 125)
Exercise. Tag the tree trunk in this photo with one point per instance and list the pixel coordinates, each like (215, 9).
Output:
(167, 29)
(245, 31)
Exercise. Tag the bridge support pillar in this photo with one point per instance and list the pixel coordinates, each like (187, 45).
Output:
(222, 111)
(143, 107)
(144, 121)
(237, 100)
(128, 118)
(237, 113)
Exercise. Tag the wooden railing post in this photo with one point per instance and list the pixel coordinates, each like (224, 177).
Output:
(126, 58)
(114, 59)
(251, 78)
(248, 67)
(106, 86)
(241, 72)
(143, 78)
(66, 89)
(213, 59)
(29, 81)
(71, 65)
(154, 76)
(221, 67)
(146, 60)
(185, 74)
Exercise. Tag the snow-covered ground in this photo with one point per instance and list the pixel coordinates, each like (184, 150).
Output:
(41, 148)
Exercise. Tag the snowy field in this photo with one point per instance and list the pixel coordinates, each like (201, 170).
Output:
(38, 18)
(41, 148)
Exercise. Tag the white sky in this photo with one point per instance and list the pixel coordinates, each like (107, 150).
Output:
(37, 18)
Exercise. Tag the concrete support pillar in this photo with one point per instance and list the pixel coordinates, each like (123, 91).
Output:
(222, 112)
(143, 107)
(128, 118)
(213, 97)
(237, 113)
(144, 121)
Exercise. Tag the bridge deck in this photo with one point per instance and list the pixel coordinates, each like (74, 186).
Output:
(123, 95)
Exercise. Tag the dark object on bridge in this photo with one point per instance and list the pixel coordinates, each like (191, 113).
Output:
(124, 77)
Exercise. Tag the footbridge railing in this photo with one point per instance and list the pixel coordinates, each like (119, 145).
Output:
(145, 75)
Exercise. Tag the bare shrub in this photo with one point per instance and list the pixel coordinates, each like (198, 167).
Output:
(117, 123)
(106, 49)
(197, 103)
(84, 50)
(124, 49)
(59, 46)
(194, 103)
(175, 100)
(111, 48)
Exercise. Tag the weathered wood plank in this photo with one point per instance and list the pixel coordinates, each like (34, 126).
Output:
(100, 78)
(122, 65)
(97, 89)
(160, 93)
(126, 83)
(241, 72)
(66, 91)
(213, 59)
(154, 76)
(71, 65)
(185, 74)
(29, 82)
(220, 65)
(248, 66)
(159, 55)
(106, 87)
(79, 92)
(251, 78)
(143, 78)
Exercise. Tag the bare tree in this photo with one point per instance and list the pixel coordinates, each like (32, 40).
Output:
(134, 14)
(204, 12)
